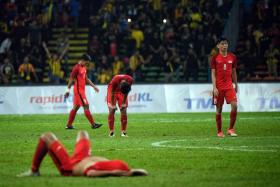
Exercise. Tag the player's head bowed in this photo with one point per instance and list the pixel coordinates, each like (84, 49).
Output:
(125, 87)
(86, 57)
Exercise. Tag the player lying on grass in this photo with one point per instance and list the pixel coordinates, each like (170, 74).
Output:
(81, 163)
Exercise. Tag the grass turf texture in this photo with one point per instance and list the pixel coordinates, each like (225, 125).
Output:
(187, 151)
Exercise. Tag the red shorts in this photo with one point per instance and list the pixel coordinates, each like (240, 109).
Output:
(108, 166)
(118, 97)
(80, 99)
(63, 161)
(229, 95)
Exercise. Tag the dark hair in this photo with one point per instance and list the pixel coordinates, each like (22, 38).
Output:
(86, 57)
(125, 87)
(222, 39)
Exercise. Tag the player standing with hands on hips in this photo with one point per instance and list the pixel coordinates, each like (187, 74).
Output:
(79, 77)
(223, 72)
(117, 91)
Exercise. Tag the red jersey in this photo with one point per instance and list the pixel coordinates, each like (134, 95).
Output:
(115, 82)
(223, 66)
(79, 73)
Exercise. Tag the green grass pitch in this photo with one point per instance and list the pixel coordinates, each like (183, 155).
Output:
(179, 149)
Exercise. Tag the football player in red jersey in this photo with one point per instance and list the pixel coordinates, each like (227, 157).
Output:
(223, 72)
(79, 77)
(81, 163)
(117, 91)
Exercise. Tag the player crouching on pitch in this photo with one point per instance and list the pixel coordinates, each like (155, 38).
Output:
(81, 163)
(117, 91)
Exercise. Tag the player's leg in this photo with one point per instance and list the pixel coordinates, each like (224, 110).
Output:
(232, 99)
(82, 147)
(48, 143)
(219, 108)
(41, 151)
(89, 117)
(111, 115)
(72, 116)
(123, 110)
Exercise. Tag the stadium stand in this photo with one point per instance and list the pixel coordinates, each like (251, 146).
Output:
(155, 41)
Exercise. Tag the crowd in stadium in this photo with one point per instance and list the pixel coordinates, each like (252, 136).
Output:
(177, 36)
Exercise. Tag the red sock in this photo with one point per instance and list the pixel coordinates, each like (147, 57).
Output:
(111, 121)
(71, 118)
(40, 152)
(219, 122)
(89, 117)
(124, 122)
(233, 115)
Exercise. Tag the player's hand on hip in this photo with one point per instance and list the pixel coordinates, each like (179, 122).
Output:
(215, 92)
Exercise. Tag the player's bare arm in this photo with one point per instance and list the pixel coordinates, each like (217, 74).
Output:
(70, 82)
(92, 85)
(213, 75)
(234, 78)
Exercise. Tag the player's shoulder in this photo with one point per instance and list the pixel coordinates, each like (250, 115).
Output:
(232, 55)
(215, 56)
(76, 66)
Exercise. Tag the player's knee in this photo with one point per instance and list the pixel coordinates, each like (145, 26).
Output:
(76, 108)
(123, 111)
(112, 111)
(48, 137)
(86, 107)
(82, 135)
(234, 106)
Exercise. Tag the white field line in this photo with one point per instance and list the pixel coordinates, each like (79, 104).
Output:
(160, 144)
(244, 148)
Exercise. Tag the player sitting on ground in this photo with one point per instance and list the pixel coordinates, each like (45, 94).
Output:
(81, 163)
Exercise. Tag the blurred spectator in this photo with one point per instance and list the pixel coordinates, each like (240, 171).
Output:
(272, 55)
(94, 46)
(5, 46)
(135, 64)
(91, 71)
(54, 61)
(137, 35)
(34, 35)
(7, 71)
(26, 71)
(191, 65)
(74, 13)
(104, 76)
(117, 66)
